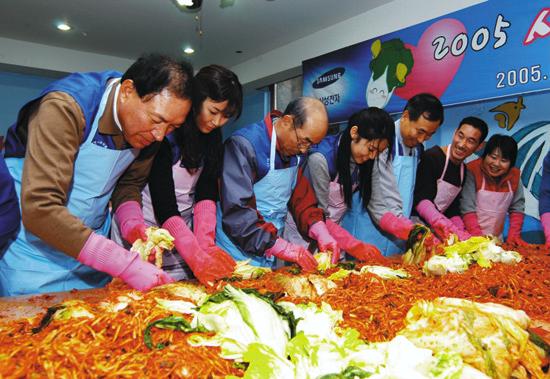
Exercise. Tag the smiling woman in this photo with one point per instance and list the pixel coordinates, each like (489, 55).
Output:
(493, 190)
(499, 156)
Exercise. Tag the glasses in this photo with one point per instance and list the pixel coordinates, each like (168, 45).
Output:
(303, 143)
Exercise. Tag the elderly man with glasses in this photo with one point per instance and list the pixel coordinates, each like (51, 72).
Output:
(259, 186)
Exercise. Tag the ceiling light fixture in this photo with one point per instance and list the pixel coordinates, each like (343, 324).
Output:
(188, 50)
(188, 5)
(184, 3)
(63, 26)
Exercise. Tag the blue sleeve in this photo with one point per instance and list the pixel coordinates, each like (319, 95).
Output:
(544, 197)
(240, 219)
(10, 216)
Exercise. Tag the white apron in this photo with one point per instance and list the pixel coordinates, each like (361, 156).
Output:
(447, 192)
(492, 208)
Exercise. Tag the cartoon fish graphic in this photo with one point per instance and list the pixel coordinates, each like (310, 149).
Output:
(508, 113)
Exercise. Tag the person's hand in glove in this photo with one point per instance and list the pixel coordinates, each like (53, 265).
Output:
(206, 266)
(460, 230)
(545, 221)
(444, 230)
(399, 227)
(292, 253)
(471, 223)
(441, 225)
(358, 249)
(325, 241)
(204, 225)
(105, 255)
(130, 221)
(514, 232)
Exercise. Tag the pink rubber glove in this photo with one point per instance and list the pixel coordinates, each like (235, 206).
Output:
(514, 232)
(545, 221)
(457, 220)
(204, 223)
(206, 266)
(440, 224)
(358, 249)
(130, 221)
(460, 228)
(292, 253)
(399, 227)
(320, 233)
(106, 256)
(471, 223)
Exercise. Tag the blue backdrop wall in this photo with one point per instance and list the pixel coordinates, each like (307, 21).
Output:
(15, 91)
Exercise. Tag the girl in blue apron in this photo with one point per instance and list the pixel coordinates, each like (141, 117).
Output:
(183, 190)
(348, 156)
(422, 115)
(358, 221)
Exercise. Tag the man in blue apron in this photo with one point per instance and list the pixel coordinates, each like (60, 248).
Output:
(440, 177)
(258, 188)
(66, 152)
(386, 223)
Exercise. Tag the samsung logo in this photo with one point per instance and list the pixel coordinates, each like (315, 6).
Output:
(329, 77)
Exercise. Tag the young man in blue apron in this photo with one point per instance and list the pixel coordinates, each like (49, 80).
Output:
(440, 177)
(386, 223)
(258, 187)
(66, 152)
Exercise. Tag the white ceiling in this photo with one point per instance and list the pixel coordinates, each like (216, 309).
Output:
(128, 28)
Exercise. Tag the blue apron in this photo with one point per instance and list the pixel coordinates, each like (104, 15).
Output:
(272, 194)
(359, 222)
(31, 266)
(10, 216)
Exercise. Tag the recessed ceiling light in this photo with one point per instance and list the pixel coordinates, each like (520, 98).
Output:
(184, 3)
(188, 50)
(64, 27)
